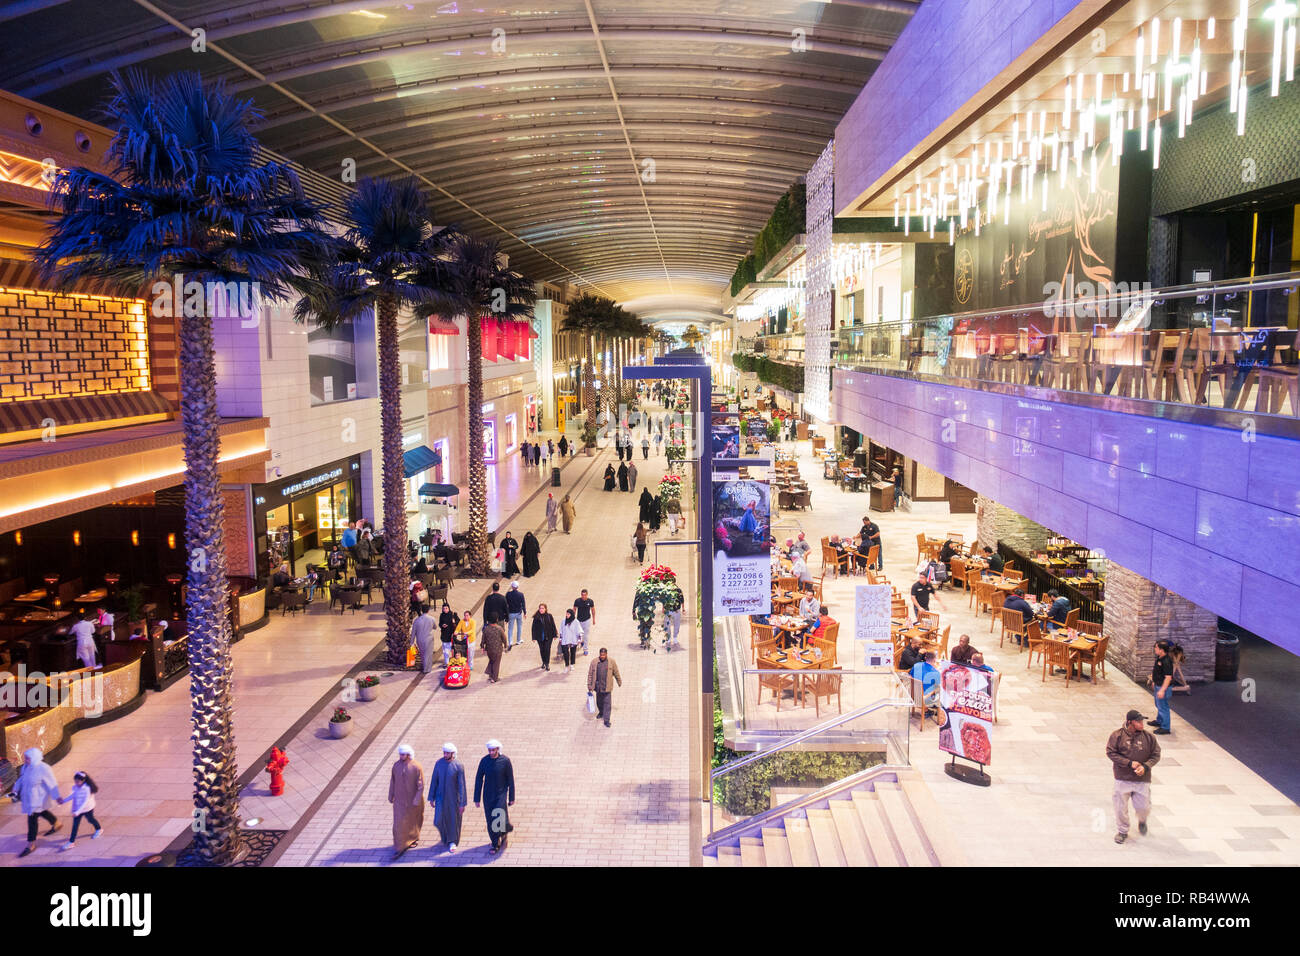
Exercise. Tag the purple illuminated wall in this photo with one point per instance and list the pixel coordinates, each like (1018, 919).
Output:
(1212, 514)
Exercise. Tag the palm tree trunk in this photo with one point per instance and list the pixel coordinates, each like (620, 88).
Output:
(396, 574)
(606, 386)
(478, 530)
(216, 794)
(588, 382)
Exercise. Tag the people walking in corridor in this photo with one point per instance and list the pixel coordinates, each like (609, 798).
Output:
(406, 794)
(564, 447)
(544, 633)
(640, 535)
(645, 506)
(586, 609)
(568, 513)
(446, 631)
(552, 513)
(511, 548)
(530, 550)
(447, 796)
(601, 676)
(631, 474)
(622, 477)
(1133, 752)
(494, 791)
(609, 477)
(495, 607)
(422, 638)
(465, 638)
(517, 607)
(82, 798)
(570, 638)
(38, 792)
(645, 449)
(1162, 676)
(494, 644)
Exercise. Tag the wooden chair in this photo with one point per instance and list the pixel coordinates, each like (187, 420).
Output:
(995, 684)
(446, 577)
(829, 649)
(1035, 643)
(928, 619)
(292, 601)
(776, 682)
(824, 682)
(1059, 655)
(957, 571)
(1072, 619)
(1088, 628)
(1094, 658)
(760, 634)
(918, 700)
(920, 546)
(996, 597)
(787, 584)
(943, 643)
(898, 609)
(955, 537)
(874, 577)
(1013, 622)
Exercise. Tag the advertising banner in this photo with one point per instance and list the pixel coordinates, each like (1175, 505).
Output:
(966, 700)
(725, 430)
(756, 428)
(871, 626)
(742, 556)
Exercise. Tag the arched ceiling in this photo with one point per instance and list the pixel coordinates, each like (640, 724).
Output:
(630, 146)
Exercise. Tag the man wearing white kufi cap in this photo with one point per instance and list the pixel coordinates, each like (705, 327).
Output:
(447, 796)
(406, 794)
(494, 791)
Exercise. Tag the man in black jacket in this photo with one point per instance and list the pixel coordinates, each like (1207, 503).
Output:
(517, 607)
(495, 608)
(494, 791)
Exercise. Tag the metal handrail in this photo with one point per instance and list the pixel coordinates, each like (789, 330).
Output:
(810, 733)
(791, 806)
(1274, 281)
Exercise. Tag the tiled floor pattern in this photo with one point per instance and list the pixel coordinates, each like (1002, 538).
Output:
(587, 795)
(142, 761)
(1051, 795)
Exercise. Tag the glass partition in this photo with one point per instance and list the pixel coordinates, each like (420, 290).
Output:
(1197, 344)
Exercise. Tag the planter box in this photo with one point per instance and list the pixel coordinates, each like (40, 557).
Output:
(340, 728)
(368, 693)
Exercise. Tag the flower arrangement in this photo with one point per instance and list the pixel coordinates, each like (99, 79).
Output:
(670, 488)
(369, 680)
(658, 586)
(340, 715)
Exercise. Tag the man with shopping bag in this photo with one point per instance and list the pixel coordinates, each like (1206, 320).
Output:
(600, 677)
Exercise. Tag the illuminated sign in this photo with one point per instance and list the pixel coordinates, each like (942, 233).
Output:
(308, 483)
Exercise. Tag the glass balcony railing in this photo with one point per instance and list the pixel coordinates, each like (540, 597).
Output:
(1228, 345)
(845, 746)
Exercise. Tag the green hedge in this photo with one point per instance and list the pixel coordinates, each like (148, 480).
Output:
(748, 791)
(769, 372)
(786, 222)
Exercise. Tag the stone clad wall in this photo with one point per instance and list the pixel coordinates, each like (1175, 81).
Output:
(1139, 613)
(995, 522)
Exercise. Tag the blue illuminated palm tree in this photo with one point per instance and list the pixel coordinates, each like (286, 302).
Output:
(190, 199)
(389, 257)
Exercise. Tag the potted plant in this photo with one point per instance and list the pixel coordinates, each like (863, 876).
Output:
(366, 687)
(133, 598)
(589, 436)
(340, 723)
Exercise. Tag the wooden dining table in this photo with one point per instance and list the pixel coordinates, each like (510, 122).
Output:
(32, 597)
(795, 628)
(785, 661)
(785, 598)
(1074, 641)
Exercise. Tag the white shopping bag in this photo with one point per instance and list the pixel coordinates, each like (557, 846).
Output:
(591, 702)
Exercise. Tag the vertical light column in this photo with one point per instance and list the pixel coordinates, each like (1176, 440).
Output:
(820, 284)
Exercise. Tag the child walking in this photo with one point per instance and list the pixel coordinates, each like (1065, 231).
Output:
(83, 806)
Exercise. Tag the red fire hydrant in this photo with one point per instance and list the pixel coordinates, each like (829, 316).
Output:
(275, 767)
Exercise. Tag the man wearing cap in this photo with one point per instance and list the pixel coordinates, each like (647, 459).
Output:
(447, 796)
(601, 676)
(1132, 752)
(405, 793)
(517, 607)
(494, 791)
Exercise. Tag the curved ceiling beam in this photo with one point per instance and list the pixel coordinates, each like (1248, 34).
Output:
(706, 104)
(625, 224)
(662, 37)
(550, 205)
(748, 176)
(516, 133)
(533, 76)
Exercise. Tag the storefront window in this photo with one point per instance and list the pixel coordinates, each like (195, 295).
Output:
(332, 363)
(490, 440)
(512, 433)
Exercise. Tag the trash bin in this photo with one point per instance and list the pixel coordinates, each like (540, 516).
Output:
(1227, 657)
(555, 477)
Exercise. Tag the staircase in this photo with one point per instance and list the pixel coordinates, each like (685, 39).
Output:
(891, 819)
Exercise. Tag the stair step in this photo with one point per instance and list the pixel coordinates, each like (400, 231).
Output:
(751, 852)
(874, 828)
(852, 837)
(728, 856)
(827, 841)
(776, 848)
(894, 803)
(802, 849)
(941, 838)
